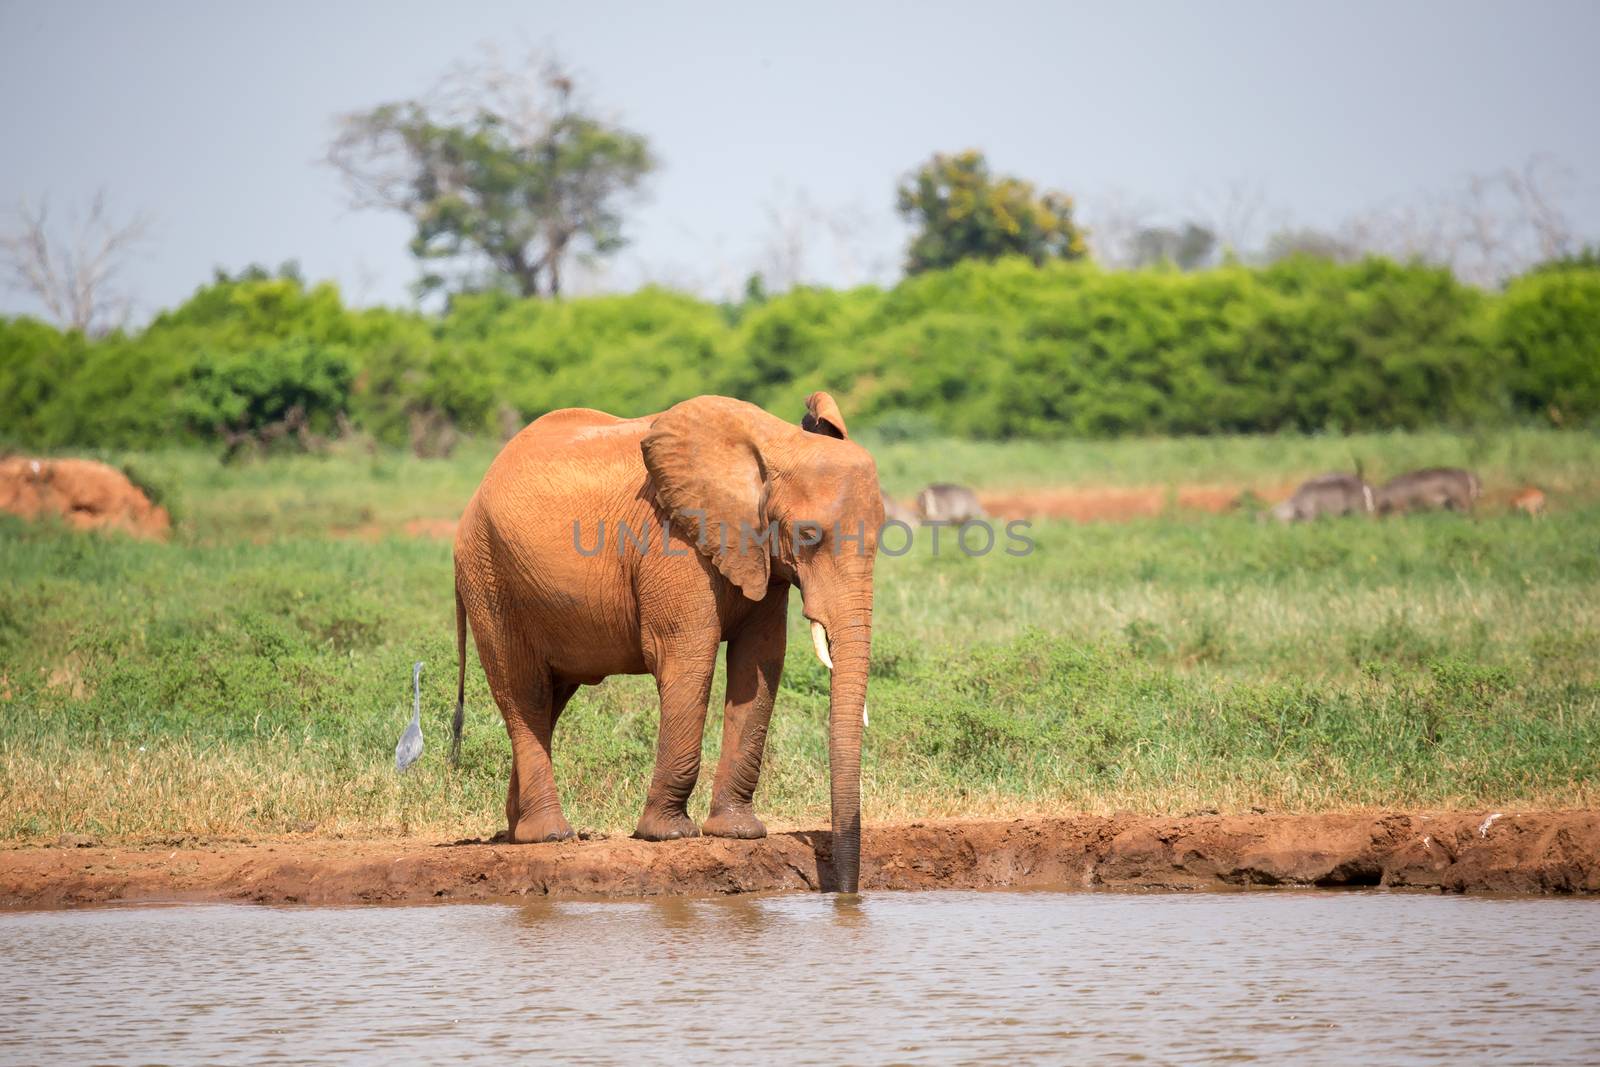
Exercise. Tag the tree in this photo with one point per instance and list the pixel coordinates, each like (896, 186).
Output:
(961, 211)
(1306, 241)
(806, 240)
(1586, 258)
(503, 172)
(1237, 212)
(73, 274)
(1188, 248)
(1490, 228)
(288, 271)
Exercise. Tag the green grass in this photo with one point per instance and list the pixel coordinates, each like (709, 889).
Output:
(354, 492)
(1503, 458)
(252, 676)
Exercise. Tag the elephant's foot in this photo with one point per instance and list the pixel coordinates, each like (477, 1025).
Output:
(533, 829)
(734, 822)
(665, 825)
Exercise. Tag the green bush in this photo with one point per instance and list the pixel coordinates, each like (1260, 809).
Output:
(118, 392)
(983, 350)
(36, 362)
(630, 354)
(1549, 330)
(250, 391)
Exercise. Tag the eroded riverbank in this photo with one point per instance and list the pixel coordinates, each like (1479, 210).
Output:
(1526, 852)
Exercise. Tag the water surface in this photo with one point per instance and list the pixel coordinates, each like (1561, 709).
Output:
(894, 977)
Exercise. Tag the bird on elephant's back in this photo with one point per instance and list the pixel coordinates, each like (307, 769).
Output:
(598, 545)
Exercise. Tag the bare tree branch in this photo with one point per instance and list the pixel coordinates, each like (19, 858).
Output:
(1240, 216)
(1540, 205)
(73, 275)
(806, 241)
(1491, 227)
(1113, 222)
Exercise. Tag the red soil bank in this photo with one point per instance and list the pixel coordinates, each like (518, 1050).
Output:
(1111, 504)
(88, 495)
(1530, 852)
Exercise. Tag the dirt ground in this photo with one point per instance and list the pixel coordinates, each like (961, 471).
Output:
(1110, 504)
(1076, 503)
(1089, 504)
(1527, 852)
(87, 494)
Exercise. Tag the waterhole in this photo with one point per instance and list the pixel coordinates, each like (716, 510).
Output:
(889, 977)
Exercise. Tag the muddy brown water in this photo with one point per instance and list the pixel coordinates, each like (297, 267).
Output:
(889, 977)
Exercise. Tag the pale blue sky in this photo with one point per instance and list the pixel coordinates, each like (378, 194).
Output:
(212, 116)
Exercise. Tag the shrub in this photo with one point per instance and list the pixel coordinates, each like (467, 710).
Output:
(1548, 328)
(298, 385)
(36, 363)
(982, 350)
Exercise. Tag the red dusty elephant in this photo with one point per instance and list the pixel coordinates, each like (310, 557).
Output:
(565, 575)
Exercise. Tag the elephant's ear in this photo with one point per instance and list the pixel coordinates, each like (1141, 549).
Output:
(822, 416)
(704, 460)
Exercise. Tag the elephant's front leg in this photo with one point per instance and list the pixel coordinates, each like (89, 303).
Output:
(755, 666)
(683, 678)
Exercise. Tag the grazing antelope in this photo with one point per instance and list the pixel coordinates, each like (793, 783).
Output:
(1424, 490)
(943, 502)
(1529, 501)
(1325, 495)
(899, 511)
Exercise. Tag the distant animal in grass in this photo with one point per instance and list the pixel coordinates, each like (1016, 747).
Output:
(1432, 489)
(943, 502)
(898, 510)
(1529, 502)
(1325, 496)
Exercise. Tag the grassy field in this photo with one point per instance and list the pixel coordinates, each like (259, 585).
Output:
(252, 676)
(356, 492)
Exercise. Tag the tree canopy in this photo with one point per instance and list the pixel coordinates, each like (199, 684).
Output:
(504, 173)
(962, 211)
(1189, 247)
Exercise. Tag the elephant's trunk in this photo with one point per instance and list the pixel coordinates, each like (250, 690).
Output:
(850, 647)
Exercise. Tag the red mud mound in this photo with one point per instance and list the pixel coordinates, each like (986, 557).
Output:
(1108, 504)
(88, 495)
(1537, 852)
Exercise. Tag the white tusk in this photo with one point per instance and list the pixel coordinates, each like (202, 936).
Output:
(819, 639)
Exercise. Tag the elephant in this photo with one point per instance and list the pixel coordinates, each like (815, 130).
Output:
(943, 502)
(1435, 487)
(553, 605)
(1326, 494)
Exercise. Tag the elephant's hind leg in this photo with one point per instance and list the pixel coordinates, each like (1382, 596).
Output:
(526, 697)
(561, 694)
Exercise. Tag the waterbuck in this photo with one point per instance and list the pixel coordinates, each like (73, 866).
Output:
(898, 511)
(1426, 490)
(1326, 494)
(943, 502)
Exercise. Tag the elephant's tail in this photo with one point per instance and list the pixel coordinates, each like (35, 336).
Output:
(461, 680)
